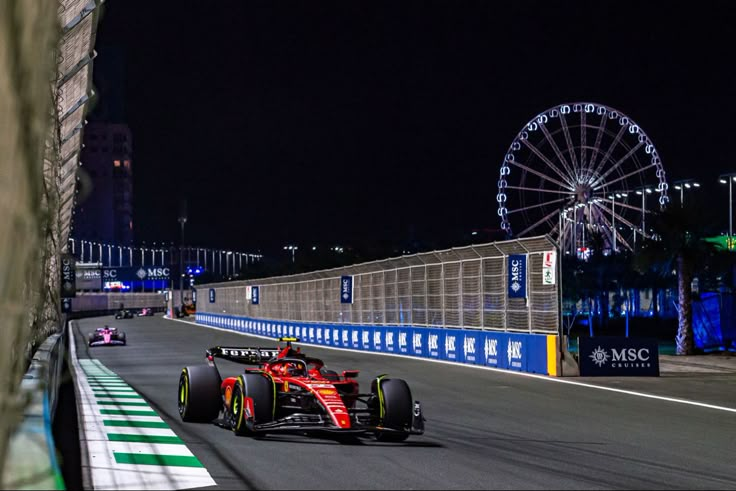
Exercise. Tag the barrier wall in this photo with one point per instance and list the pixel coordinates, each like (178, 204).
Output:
(534, 353)
(31, 461)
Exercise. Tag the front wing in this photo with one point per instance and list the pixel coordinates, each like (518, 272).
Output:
(322, 423)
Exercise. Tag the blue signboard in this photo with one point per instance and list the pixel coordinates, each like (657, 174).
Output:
(491, 348)
(212, 295)
(433, 342)
(517, 276)
(254, 295)
(346, 289)
(452, 345)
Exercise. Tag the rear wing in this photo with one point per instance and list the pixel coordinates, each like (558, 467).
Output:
(245, 355)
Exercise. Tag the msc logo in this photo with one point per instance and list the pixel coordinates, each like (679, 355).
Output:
(390, 340)
(327, 335)
(319, 334)
(311, 332)
(402, 340)
(513, 351)
(365, 338)
(449, 344)
(417, 340)
(469, 346)
(433, 342)
(377, 339)
(491, 347)
(623, 357)
(345, 338)
(354, 337)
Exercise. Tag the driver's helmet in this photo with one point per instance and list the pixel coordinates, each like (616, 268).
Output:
(293, 369)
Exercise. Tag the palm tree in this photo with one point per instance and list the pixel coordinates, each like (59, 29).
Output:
(679, 248)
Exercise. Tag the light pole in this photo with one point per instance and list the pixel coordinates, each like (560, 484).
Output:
(293, 249)
(621, 195)
(730, 178)
(643, 192)
(182, 222)
(683, 184)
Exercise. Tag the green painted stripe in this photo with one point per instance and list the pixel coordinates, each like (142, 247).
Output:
(134, 424)
(122, 403)
(123, 437)
(113, 389)
(119, 396)
(126, 412)
(154, 459)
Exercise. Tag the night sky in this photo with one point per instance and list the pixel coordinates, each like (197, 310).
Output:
(359, 122)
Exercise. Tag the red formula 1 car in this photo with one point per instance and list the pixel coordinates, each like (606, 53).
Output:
(106, 336)
(294, 393)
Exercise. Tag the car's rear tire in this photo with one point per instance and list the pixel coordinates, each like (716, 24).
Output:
(199, 394)
(121, 337)
(261, 389)
(398, 408)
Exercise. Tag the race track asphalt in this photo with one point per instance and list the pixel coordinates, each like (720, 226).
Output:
(485, 429)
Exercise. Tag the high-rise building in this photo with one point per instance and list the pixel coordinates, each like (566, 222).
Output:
(106, 214)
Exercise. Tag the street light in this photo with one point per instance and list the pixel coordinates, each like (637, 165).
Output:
(182, 220)
(683, 184)
(643, 193)
(293, 249)
(723, 179)
(621, 195)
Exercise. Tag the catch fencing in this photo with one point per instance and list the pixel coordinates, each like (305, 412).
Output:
(464, 287)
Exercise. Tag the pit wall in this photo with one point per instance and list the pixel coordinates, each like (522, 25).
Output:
(533, 353)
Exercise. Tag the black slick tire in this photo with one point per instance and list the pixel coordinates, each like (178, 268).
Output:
(199, 398)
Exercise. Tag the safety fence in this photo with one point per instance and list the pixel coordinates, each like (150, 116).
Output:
(501, 286)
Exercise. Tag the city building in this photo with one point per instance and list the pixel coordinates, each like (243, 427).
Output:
(106, 212)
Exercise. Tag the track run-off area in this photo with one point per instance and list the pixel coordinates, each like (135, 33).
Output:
(485, 428)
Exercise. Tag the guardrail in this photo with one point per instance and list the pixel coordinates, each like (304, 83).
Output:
(533, 353)
(31, 459)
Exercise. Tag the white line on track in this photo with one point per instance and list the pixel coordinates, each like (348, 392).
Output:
(480, 367)
(126, 450)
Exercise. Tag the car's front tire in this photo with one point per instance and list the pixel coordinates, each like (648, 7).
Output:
(199, 394)
(396, 413)
(261, 389)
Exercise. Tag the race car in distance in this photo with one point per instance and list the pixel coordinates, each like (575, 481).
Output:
(123, 314)
(145, 312)
(293, 393)
(106, 336)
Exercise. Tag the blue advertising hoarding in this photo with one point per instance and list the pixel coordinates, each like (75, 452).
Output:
(212, 295)
(512, 351)
(255, 295)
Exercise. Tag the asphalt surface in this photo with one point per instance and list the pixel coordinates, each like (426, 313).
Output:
(485, 429)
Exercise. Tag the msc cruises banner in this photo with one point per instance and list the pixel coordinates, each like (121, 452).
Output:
(618, 356)
(346, 289)
(68, 276)
(517, 276)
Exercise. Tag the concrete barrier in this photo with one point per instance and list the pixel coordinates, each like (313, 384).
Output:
(31, 461)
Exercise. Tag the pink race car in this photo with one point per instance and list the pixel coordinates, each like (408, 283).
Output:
(106, 336)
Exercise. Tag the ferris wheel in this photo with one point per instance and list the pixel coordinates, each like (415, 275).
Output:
(578, 171)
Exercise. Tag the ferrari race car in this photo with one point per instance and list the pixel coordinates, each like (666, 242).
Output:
(124, 314)
(106, 336)
(289, 392)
